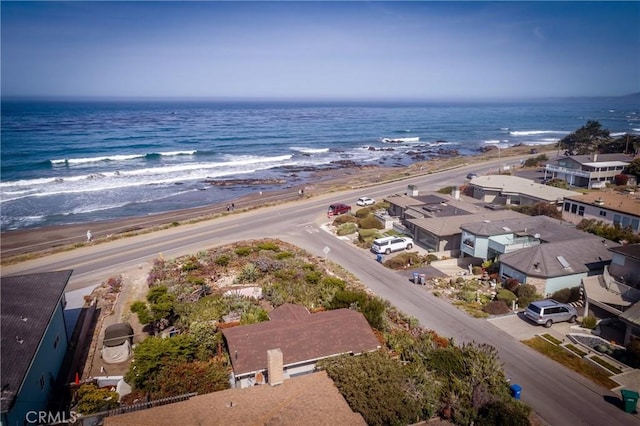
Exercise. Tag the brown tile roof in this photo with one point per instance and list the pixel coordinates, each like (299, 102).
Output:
(308, 400)
(623, 203)
(306, 338)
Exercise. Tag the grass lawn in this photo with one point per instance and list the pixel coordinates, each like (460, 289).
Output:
(578, 365)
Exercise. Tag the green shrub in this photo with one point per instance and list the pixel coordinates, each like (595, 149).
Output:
(511, 412)
(589, 322)
(506, 296)
(243, 251)
(431, 258)
(347, 229)
(468, 296)
(511, 284)
(191, 264)
(446, 190)
(92, 399)
(345, 218)
(370, 222)
(404, 260)
(284, 255)
(362, 213)
(526, 294)
(567, 295)
(367, 235)
(496, 307)
(222, 260)
(140, 308)
(476, 270)
(268, 245)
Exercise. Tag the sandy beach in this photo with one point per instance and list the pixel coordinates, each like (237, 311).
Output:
(15, 245)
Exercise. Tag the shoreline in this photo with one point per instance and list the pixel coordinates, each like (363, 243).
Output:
(18, 244)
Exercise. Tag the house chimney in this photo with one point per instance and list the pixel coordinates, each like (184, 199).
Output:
(595, 157)
(275, 372)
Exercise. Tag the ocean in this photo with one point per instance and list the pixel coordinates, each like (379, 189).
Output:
(70, 162)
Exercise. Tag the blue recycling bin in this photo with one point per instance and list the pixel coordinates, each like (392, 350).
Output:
(379, 258)
(516, 390)
(415, 277)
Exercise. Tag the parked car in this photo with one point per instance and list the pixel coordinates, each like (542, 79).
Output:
(365, 201)
(472, 175)
(338, 209)
(549, 311)
(387, 245)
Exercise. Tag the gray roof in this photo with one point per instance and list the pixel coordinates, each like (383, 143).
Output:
(548, 229)
(545, 260)
(507, 184)
(28, 303)
(601, 158)
(631, 251)
(450, 225)
(632, 315)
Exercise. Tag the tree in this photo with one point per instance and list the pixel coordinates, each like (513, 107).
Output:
(586, 139)
(634, 168)
(187, 377)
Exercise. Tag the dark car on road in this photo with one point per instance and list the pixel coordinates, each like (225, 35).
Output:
(338, 209)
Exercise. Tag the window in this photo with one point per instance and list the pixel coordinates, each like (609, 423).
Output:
(580, 210)
(635, 224)
(55, 342)
(567, 206)
(574, 208)
(626, 221)
(617, 219)
(603, 213)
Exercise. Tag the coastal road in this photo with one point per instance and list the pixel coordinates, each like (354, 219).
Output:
(558, 395)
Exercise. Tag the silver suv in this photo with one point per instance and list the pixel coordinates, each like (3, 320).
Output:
(549, 311)
(388, 244)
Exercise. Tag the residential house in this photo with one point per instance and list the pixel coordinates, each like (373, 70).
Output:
(588, 171)
(293, 341)
(617, 290)
(554, 266)
(312, 399)
(609, 207)
(34, 342)
(508, 190)
(443, 233)
(492, 238)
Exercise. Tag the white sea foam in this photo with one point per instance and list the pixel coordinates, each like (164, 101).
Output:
(536, 132)
(121, 157)
(309, 150)
(492, 142)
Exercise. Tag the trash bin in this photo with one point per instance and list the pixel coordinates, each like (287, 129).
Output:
(515, 391)
(629, 400)
(415, 278)
(379, 258)
(423, 279)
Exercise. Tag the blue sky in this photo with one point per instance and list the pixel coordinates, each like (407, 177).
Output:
(346, 50)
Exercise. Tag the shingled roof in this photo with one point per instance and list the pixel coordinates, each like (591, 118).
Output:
(632, 251)
(27, 306)
(547, 229)
(543, 260)
(300, 337)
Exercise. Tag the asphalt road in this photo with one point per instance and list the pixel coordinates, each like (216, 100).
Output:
(558, 395)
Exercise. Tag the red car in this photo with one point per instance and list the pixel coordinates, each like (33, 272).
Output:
(338, 209)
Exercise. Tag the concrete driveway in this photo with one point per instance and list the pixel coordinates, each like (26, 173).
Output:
(521, 328)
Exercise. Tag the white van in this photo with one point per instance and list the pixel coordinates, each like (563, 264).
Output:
(387, 245)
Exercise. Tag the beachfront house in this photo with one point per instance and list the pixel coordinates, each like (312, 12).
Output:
(293, 341)
(34, 344)
(554, 266)
(490, 239)
(609, 207)
(587, 171)
(514, 190)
